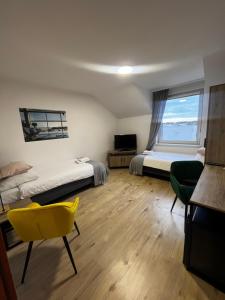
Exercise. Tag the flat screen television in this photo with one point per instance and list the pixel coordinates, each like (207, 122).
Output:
(123, 142)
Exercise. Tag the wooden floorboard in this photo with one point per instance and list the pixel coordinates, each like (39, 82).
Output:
(130, 248)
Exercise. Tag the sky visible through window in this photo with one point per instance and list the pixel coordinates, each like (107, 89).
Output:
(180, 120)
(181, 109)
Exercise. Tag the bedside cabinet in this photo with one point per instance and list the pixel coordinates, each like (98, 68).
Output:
(120, 159)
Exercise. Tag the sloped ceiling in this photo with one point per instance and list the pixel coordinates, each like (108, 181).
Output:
(131, 101)
(77, 45)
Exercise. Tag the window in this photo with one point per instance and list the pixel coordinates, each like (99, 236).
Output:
(181, 122)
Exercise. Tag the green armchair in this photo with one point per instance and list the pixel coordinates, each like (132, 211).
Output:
(184, 176)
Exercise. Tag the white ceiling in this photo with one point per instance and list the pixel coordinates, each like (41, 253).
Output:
(60, 44)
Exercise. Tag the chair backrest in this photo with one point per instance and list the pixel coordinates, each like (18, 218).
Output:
(188, 169)
(43, 222)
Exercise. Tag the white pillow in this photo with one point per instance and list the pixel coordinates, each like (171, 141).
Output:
(201, 151)
(17, 180)
(81, 160)
(148, 152)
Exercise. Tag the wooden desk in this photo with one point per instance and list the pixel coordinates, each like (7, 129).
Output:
(204, 246)
(210, 189)
(8, 233)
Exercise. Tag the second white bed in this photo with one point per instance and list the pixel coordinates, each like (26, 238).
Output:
(163, 160)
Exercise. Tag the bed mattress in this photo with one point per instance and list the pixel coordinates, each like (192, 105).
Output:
(163, 160)
(50, 177)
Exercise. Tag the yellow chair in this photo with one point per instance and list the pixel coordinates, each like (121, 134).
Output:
(36, 222)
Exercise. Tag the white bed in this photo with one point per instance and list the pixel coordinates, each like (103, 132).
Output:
(50, 176)
(163, 160)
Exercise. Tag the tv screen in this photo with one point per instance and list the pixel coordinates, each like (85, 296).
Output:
(125, 142)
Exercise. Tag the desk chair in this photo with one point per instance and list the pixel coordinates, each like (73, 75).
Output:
(36, 222)
(184, 176)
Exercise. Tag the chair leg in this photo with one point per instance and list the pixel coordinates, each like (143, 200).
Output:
(27, 261)
(69, 253)
(185, 217)
(173, 203)
(77, 229)
(186, 211)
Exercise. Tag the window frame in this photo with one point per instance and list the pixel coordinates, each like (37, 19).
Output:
(199, 92)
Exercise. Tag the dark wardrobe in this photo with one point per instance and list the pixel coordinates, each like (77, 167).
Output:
(215, 140)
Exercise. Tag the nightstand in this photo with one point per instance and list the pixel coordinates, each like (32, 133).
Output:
(120, 159)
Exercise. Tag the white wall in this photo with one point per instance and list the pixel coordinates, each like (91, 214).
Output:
(90, 125)
(141, 124)
(214, 68)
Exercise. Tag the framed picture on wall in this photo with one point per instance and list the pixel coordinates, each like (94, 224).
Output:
(39, 124)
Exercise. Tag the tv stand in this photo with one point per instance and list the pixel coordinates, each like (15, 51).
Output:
(120, 159)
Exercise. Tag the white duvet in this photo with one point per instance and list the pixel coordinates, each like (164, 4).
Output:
(163, 160)
(50, 177)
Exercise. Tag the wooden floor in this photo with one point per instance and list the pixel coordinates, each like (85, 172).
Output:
(130, 247)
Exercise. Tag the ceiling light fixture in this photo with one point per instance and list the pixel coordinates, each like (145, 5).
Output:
(115, 69)
(125, 70)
